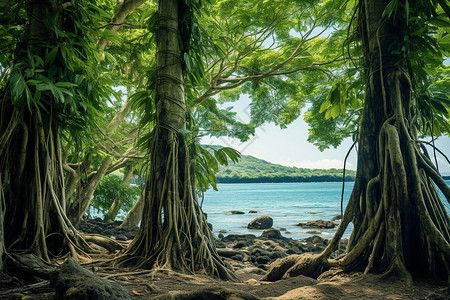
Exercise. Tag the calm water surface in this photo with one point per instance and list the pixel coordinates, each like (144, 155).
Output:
(286, 203)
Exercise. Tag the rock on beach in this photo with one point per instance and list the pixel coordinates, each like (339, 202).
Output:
(271, 233)
(263, 222)
(317, 224)
(337, 218)
(234, 212)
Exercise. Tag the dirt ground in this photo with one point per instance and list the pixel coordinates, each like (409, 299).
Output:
(250, 256)
(163, 284)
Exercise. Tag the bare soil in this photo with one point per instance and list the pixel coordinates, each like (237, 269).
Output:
(146, 284)
(250, 257)
(164, 284)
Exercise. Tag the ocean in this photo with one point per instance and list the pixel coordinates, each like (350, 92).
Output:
(286, 203)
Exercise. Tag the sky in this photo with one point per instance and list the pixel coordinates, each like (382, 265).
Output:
(289, 146)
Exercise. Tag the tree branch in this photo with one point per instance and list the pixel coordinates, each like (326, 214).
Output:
(116, 23)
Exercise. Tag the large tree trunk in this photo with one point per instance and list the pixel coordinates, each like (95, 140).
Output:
(401, 226)
(31, 177)
(173, 233)
(400, 223)
(110, 216)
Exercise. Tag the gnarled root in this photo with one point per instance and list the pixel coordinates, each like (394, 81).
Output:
(105, 242)
(311, 265)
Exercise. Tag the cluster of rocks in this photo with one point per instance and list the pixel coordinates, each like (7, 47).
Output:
(112, 230)
(266, 222)
(247, 250)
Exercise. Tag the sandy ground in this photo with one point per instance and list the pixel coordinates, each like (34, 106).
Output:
(163, 284)
(249, 256)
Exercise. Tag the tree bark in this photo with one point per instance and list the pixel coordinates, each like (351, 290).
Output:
(2, 230)
(31, 176)
(134, 215)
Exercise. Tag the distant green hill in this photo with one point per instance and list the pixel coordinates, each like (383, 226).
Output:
(252, 169)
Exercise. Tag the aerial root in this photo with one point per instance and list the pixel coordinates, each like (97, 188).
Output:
(375, 249)
(174, 234)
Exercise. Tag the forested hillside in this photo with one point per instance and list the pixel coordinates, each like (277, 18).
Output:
(252, 169)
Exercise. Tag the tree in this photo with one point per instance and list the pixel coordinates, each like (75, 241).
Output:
(247, 49)
(51, 78)
(401, 227)
(173, 232)
(110, 146)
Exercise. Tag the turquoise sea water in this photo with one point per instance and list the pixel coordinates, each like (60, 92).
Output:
(286, 203)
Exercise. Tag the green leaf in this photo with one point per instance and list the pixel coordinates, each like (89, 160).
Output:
(221, 157)
(152, 22)
(111, 36)
(438, 106)
(188, 61)
(50, 58)
(17, 85)
(63, 84)
(210, 160)
(233, 154)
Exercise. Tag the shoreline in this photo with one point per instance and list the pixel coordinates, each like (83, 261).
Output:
(223, 180)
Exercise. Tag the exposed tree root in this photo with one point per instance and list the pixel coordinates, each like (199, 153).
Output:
(105, 242)
(174, 233)
(32, 186)
(295, 265)
(401, 227)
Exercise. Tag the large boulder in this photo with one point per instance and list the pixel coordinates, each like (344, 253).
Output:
(271, 233)
(75, 283)
(263, 222)
(317, 224)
